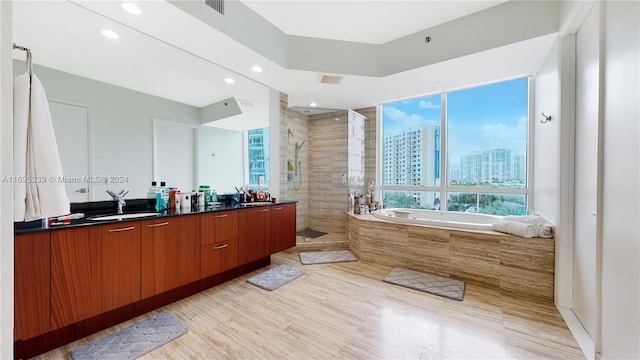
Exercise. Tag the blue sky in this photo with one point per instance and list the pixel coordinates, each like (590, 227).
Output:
(480, 118)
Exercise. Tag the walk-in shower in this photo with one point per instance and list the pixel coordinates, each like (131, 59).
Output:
(316, 156)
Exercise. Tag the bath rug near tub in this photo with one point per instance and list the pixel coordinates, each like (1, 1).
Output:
(433, 284)
(276, 277)
(326, 257)
(135, 340)
(310, 233)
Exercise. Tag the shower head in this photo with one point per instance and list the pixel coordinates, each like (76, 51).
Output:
(289, 132)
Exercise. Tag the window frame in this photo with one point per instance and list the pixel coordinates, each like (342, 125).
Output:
(444, 188)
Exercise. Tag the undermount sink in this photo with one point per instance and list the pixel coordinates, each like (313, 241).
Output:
(259, 203)
(121, 216)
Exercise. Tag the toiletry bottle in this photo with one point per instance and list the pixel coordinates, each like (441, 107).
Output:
(151, 193)
(172, 197)
(177, 199)
(207, 193)
(162, 197)
(194, 200)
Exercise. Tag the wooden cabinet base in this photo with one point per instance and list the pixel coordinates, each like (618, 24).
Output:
(40, 344)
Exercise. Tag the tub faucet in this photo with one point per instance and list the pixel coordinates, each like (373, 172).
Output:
(119, 198)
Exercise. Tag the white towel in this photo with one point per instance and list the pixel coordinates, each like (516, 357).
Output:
(544, 228)
(516, 228)
(38, 189)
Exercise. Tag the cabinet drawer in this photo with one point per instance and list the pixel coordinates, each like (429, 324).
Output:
(218, 257)
(218, 227)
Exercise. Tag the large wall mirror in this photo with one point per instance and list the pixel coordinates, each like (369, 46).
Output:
(131, 110)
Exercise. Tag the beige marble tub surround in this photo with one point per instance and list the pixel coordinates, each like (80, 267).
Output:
(514, 265)
(431, 251)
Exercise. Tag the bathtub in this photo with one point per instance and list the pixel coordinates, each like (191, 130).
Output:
(448, 219)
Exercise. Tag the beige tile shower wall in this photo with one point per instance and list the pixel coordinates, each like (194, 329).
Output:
(299, 187)
(328, 197)
(370, 126)
(298, 123)
(284, 191)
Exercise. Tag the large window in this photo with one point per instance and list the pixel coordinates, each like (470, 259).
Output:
(258, 146)
(461, 151)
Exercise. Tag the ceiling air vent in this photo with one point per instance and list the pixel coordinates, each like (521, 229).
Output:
(217, 5)
(247, 103)
(330, 79)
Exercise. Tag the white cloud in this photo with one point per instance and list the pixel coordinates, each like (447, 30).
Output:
(500, 135)
(502, 131)
(424, 104)
(402, 118)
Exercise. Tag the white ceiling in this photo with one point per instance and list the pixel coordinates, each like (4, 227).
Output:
(366, 21)
(168, 53)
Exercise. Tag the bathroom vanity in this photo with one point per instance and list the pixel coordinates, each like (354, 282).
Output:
(75, 279)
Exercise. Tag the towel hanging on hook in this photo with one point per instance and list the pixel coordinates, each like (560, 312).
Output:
(29, 63)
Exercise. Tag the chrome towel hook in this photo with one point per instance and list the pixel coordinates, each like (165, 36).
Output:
(547, 118)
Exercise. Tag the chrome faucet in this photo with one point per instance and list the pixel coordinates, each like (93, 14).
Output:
(119, 198)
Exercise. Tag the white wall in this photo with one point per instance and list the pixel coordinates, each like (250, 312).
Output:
(586, 170)
(275, 137)
(612, 263)
(546, 144)
(220, 160)
(621, 183)
(6, 189)
(553, 154)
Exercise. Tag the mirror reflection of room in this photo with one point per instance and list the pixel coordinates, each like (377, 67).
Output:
(114, 101)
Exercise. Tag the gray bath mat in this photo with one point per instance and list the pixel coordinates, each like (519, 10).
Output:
(276, 277)
(310, 233)
(325, 257)
(433, 284)
(135, 340)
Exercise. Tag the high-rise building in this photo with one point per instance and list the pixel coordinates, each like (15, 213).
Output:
(471, 168)
(258, 155)
(492, 166)
(412, 158)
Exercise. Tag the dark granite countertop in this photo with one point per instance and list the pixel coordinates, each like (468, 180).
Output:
(92, 209)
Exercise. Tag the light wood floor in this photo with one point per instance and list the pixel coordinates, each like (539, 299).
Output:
(345, 311)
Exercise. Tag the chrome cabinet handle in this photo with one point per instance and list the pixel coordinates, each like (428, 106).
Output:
(122, 229)
(220, 216)
(265, 210)
(220, 247)
(159, 224)
(278, 208)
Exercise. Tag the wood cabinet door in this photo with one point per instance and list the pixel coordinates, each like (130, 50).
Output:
(32, 284)
(120, 270)
(218, 257)
(283, 227)
(76, 266)
(254, 234)
(170, 253)
(218, 227)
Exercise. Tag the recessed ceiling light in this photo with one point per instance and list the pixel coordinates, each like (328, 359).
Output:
(131, 8)
(256, 68)
(313, 104)
(229, 80)
(110, 34)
